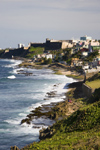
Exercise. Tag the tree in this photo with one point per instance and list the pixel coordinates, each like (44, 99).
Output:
(47, 61)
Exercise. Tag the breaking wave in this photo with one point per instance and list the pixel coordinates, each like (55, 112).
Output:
(11, 77)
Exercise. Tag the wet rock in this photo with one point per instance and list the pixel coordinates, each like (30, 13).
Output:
(46, 133)
(14, 148)
(25, 73)
(53, 116)
(36, 127)
(25, 121)
(46, 99)
(51, 94)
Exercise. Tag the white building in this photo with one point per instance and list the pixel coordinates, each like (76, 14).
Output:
(21, 45)
(48, 56)
(85, 54)
(85, 38)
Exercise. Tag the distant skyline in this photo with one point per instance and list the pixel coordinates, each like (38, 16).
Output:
(25, 21)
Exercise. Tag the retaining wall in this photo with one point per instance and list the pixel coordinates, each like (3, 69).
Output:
(87, 90)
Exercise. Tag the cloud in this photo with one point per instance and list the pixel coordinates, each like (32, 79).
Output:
(54, 4)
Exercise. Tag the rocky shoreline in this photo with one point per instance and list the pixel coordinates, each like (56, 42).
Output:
(56, 111)
(53, 111)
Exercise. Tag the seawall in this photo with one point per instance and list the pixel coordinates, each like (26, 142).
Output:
(87, 90)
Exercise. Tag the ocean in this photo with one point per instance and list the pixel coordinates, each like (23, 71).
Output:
(21, 93)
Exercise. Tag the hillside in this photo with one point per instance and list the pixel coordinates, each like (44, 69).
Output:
(21, 52)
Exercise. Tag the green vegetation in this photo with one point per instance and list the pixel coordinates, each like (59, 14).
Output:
(76, 76)
(94, 77)
(67, 55)
(91, 56)
(96, 47)
(77, 55)
(1, 51)
(47, 61)
(70, 141)
(80, 131)
(94, 84)
(34, 51)
(94, 81)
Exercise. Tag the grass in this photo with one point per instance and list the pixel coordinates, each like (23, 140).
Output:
(34, 51)
(76, 76)
(94, 81)
(70, 141)
(94, 77)
(94, 84)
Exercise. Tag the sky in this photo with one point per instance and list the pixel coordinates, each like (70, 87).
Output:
(25, 21)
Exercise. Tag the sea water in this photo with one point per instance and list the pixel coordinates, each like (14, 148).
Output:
(21, 93)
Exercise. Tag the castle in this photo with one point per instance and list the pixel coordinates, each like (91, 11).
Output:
(53, 44)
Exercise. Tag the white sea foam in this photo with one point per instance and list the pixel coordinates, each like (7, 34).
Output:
(17, 70)
(4, 130)
(41, 122)
(22, 114)
(15, 121)
(39, 95)
(11, 77)
(13, 63)
(20, 130)
(33, 106)
(36, 124)
(58, 97)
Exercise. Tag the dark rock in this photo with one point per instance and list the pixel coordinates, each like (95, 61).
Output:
(51, 94)
(25, 121)
(45, 98)
(25, 73)
(36, 127)
(14, 148)
(53, 116)
(46, 133)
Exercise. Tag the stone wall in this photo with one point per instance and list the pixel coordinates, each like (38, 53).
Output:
(53, 45)
(87, 90)
(37, 44)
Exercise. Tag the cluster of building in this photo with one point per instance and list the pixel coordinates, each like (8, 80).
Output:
(85, 45)
(84, 41)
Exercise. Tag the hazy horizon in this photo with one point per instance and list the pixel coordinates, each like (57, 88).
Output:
(25, 21)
